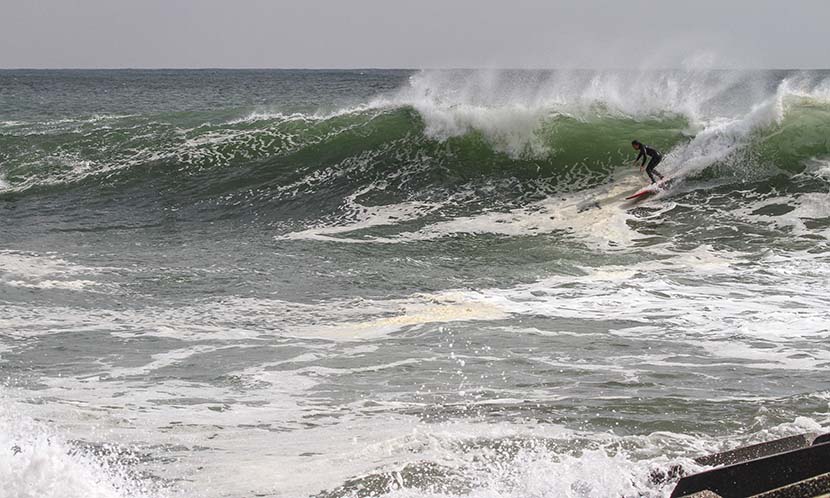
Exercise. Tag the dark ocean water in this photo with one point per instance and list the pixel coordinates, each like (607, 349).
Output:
(398, 283)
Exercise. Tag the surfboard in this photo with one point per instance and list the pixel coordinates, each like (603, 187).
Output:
(649, 190)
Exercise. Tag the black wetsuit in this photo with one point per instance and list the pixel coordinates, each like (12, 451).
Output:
(655, 156)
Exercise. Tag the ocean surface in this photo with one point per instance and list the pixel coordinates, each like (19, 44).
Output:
(405, 283)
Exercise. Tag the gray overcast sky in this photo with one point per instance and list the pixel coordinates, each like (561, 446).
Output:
(413, 33)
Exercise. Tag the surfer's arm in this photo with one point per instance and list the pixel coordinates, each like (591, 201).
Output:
(642, 155)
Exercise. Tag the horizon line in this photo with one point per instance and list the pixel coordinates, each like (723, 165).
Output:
(380, 68)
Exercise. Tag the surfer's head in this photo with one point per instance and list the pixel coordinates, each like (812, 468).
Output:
(636, 144)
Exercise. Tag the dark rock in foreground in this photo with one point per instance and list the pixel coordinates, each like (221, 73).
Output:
(791, 467)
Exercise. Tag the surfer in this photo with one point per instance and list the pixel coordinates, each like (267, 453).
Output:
(646, 152)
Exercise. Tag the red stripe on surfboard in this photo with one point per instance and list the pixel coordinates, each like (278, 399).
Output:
(641, 193)
(650, 189)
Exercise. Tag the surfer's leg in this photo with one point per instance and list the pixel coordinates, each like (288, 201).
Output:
(650, 169)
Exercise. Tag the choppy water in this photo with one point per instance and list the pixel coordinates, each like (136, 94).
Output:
(392, 283)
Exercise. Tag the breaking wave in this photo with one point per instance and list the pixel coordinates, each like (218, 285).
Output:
(504, 133)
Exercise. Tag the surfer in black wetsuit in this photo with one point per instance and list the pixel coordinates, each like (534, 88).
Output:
(645, 152)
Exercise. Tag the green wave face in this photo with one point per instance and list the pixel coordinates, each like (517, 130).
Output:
(803, 134)
(283, 150)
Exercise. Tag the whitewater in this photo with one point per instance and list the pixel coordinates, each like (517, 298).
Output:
(378, 283)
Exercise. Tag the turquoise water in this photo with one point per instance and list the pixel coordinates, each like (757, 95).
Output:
(399, 283)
